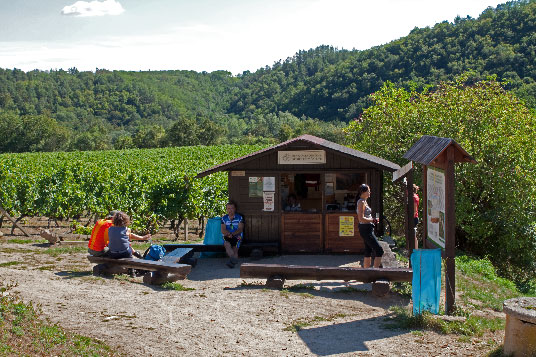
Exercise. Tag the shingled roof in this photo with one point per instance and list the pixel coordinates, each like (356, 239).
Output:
(428, 148)
(310, 139)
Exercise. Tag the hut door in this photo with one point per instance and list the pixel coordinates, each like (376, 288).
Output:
(301, 219)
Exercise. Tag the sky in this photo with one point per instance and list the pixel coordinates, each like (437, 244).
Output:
(204, 35)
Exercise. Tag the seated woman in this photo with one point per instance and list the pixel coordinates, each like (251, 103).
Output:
(232, 228)
(292, 204)
(120, 235)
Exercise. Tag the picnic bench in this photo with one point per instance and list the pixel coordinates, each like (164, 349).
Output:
(180, 256)
(276, 274)
(158, 272)
(253, 249)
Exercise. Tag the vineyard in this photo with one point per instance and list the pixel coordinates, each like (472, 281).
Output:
(153, 186)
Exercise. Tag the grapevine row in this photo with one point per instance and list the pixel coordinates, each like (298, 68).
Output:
(153, 185)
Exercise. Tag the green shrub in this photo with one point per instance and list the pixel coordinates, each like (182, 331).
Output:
(495, 198)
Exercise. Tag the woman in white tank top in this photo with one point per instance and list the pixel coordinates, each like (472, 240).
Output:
(366, 228)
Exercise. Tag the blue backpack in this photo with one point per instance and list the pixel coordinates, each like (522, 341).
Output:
(155, 252)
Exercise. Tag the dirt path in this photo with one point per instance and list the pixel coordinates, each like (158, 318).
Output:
(222, 315)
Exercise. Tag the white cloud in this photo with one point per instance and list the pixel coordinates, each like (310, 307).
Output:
(93, 8)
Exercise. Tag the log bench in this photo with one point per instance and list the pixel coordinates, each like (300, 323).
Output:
(159, 272)
(276, 274)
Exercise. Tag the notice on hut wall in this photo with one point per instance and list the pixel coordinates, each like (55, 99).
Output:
(268, 183)
(269, 201)
(435, 205)
(346, 226)
(255, 187)
(301, 157)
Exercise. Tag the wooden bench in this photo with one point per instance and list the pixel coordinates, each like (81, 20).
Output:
(255, 249)
(159, 272)
(276, 274)
(180, 256)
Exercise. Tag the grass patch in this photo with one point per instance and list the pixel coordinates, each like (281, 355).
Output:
(480, 285)
(46, 267)
(55, 251)
(26, 241)
(141, 247)
(7, 264)
(254, 283)
(175, 286)
(24, 333)
(286, 293)
(299, 287)
(403, 288)
(298, 325)
(12, 250)
(122, 277)
(403, 318)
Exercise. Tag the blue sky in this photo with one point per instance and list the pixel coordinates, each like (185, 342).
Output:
(203, 35)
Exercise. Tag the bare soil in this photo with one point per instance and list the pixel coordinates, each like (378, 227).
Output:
(222, 314)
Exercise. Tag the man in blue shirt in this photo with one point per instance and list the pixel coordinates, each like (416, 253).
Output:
(232, 228)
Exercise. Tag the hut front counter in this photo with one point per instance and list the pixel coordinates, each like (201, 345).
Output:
(306, 212)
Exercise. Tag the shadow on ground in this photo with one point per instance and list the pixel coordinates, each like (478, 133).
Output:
(70, 274)
(348, 337)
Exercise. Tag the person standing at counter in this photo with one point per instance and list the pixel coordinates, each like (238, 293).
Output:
(366, 228)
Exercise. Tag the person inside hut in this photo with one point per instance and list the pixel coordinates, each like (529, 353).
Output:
(292, 204)
(232, 229)
(120, 237)
(366, 228)
(98, 242)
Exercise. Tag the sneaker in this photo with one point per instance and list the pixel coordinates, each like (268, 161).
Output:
(230, 264)
(234, 261)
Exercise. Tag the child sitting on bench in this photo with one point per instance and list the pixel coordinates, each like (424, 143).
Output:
(120, 236)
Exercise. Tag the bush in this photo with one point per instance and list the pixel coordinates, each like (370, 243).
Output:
(495, 198)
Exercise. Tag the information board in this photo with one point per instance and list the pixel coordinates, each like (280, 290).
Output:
(435, 215)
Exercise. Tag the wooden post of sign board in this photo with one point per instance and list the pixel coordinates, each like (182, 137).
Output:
(15, 223)
(450, 238)
(425, 207)
(410, 209)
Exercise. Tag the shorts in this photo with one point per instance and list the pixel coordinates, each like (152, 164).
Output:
(127, 253)
(99, 253)
(233, 241)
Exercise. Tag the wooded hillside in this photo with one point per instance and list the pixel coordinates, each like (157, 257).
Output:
(316, 91)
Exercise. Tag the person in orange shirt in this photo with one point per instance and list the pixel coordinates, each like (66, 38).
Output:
(98, 243)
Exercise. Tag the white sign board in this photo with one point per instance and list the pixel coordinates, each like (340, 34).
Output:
(268, 184)
(269, 201)
(435, 215)
(301, 157)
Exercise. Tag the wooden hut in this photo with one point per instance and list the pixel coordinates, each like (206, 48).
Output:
(322, 175)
